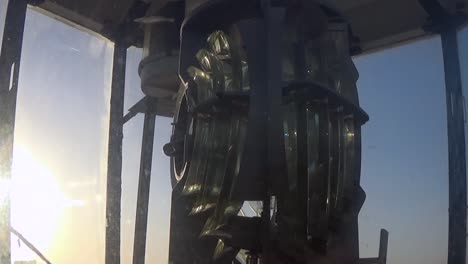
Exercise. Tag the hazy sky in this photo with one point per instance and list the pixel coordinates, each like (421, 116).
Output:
(61, 134)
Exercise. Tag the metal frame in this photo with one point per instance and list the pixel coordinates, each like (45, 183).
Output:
(383, 246)
(146, 159)
(148, 106)
(114, 159)
(441, 22)
(10, 58)
(456, 148)
(9, 71)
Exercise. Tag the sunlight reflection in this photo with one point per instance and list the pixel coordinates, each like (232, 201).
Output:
(5, 187)
(36, 203)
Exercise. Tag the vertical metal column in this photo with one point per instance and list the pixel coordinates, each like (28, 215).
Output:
(10, 58)
(114, 166)
(146, 158)
(456, 147)
(276, 158)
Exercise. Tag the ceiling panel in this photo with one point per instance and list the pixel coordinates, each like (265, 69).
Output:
(94, 15)
(378, 23)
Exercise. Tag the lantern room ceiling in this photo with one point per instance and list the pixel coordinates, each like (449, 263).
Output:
(377, 23)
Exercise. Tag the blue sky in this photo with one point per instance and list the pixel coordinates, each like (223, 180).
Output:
(62, 118)
(404, 164)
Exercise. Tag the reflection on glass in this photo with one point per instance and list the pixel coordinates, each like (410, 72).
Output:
(291, 229)
(203, 81)
(329, 157)
(57, 189)
(196, 172)
(226, 207)
(327, 60)
(213, 66)
(349, 158)
(245, 76)
(290, 140)
(318, 175)
(220, 249)
(219, 44)
(219, 138)
(216, 149)
(336, 159)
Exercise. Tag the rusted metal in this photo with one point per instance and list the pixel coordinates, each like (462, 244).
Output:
(114, 166)
(141, 222)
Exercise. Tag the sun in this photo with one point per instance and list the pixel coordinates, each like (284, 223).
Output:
(36, 203)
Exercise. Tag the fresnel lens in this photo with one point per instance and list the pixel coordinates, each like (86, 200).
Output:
(223, 187)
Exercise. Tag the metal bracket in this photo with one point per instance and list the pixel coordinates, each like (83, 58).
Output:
(145, 105)
(382, 258)
(439, 18)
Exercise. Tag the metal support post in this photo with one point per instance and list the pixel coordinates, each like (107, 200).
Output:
(456, 148)
(276, 166)
(10, 58)
(139, 243)
(383, 247)
(114, 166)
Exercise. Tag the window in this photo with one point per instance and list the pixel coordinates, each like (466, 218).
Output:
(157, 238)
(404, 161)
(59, 169)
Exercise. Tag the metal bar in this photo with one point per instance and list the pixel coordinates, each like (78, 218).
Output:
(114, 165)
(139, 243)
(304, 187)
(369, 261)
(129, 116)
(456, 148)
(276, 152)
(10, 57)
(383, 246)
(139, 107)
(276, 156)
(30, 246)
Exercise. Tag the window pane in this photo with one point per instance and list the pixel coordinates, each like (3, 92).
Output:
(404, 162)
(157, 238)
(59, 163)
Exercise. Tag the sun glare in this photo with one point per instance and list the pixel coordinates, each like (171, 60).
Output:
(36, 203)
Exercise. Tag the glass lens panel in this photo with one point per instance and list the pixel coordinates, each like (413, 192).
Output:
(289, 209)
(318, 155)
(225, 138)
(204, 83)
(216, 165)
(197, 168)
(226, 207)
